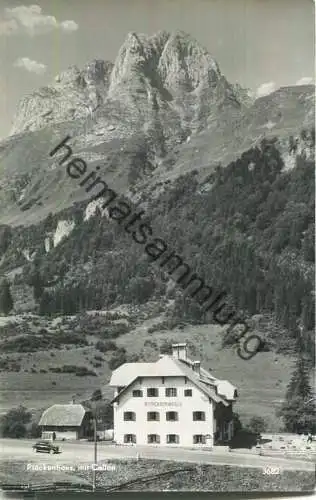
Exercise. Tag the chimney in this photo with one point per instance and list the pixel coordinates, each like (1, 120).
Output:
(179, 351)
(196, 366)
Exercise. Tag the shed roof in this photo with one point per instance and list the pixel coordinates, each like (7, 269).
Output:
(63, 415)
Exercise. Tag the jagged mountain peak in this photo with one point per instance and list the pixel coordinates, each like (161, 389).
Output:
(245, 95)
(176, 59)
(165, 71)
(71, 95)
(94, 72)
(70, 75)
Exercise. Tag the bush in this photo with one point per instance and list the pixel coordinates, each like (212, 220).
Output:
(82, 371)
(105, 414)
(264, 346)
(115, 330)
(158, 327)
(79, 371)
(140, 290)
(55, 369)
(6, 301)
(236, 423)
(13, 423)
(133, 358)
(101, 326)
(34, 432)
(166, 347)
(150, 343)
(96, 395)
(105, 346)
(31, 343)
(118, 359)
(9, 365)
(257, 425)
(69, 369)
(112, 316)
(244, 439)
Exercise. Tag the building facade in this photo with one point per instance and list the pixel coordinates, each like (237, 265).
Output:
(172, 402)
(70, 421)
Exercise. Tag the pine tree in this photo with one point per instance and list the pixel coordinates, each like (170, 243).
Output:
(298, 410)
(299, 385)
(97, 395)
(6, 301)
(38, 285)
(46, 305)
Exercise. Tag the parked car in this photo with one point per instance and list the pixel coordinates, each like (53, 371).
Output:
(45, 447)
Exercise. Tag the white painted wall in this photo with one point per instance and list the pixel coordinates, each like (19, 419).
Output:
(66, 435)
(185, 427)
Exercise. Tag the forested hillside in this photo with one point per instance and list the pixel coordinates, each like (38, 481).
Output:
(247, 229)
(225, 180)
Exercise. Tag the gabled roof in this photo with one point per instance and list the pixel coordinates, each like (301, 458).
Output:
(63, 415)
(164, 367)
(127, 372)
(208, 389)
(224, 387)
(167, 366)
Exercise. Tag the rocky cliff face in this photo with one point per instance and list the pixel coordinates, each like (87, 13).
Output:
(152, 76)
(167, 62)
(74, 94)
(162, 109)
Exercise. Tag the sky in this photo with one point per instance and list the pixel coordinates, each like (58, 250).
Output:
(261, 44)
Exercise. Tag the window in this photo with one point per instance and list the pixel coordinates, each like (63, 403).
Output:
(188, 392)
(129, 415)
(199, 439)
(173, 439)
(172, 415)
(171, 392)
(152, 415)
(137, 393)
(129, 438)
(198, 415)
(152, 392)
(153, 438)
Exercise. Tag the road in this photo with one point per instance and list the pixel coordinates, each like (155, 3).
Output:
(82, 452)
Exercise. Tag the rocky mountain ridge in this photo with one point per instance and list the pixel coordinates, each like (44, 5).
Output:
(73, 94)
(161, 110)
(149, 72)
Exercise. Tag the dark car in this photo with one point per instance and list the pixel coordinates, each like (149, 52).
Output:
(45, 447)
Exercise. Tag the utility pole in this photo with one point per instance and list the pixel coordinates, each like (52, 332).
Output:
(95, 448)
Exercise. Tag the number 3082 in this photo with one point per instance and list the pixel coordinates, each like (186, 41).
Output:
(269, 470)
